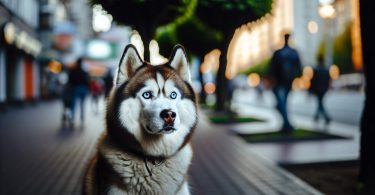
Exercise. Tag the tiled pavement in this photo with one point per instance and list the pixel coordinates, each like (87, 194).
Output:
(224, 164)
(39, 156)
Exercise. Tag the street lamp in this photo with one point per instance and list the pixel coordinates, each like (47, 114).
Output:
(328, 13)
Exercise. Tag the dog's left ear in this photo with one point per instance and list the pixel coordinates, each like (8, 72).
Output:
(129, 63)
(179, 62)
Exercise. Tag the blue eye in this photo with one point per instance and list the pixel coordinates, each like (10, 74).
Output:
(147, 95)
(173, 95)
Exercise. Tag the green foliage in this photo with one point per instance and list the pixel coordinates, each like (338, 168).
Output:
(260, 68)
(185, 21)
(197, 38)
(188, 30)
(166, 39)
(227, 119)
(205, 39)
(146, 16)
(298, 134)
(227, 15)
(342, 55)
(138, 12)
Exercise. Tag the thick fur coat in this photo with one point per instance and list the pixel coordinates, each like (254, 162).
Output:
(151, 116)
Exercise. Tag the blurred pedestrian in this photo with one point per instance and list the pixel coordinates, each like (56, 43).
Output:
(66, 96)
(320, 83)
(108, 83)
(284, 67)
(79, 83)
(96, 89)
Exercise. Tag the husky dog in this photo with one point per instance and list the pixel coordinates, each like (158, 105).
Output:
(151, 116)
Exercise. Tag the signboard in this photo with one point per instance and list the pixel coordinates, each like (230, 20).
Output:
(98, 49)
(21, 39)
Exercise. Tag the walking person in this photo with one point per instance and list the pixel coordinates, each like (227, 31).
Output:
(320, 83)
(284, 67)
(79, 83)
(96, 89)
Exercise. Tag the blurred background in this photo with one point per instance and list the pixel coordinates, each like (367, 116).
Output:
(230, 45)
(42, 39)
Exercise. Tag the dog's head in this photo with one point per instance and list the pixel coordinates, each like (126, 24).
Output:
(152, 108)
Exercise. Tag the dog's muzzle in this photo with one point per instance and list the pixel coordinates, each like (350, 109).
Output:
(168, 117)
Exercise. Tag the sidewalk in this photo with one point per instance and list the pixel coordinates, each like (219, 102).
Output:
(39, 156)
(224, 164)
(299, 152)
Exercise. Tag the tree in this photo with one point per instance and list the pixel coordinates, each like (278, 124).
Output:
(197, 39)
(204, 41)
(145, 16)
(226, 16)
(220, 15)
(367, 151)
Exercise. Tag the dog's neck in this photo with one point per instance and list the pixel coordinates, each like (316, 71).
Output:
(147, 158)
(135, 150)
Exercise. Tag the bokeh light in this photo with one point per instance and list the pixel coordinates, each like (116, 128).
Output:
(54, 66)
(312, 26)
(327, 11)
(308, 72)
(101, 20)
(211, 61)
(155, 57)
(136, 40)
(253, 79)
(210, 88)
(334, 72)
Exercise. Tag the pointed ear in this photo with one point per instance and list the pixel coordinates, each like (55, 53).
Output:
(179, 62)
(129, 63)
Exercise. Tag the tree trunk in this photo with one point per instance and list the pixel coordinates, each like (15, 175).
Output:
(221, 80)
(146, 34)
(367, 143)
(202, 95)
(146, 42)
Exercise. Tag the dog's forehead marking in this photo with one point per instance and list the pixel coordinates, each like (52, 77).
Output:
(169, 85)
(151, 83)
(160, 80)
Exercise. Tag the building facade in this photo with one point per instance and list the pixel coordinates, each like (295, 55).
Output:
(34, 33)
(19, 48)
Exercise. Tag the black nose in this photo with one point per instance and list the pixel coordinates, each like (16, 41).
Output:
(168, 116)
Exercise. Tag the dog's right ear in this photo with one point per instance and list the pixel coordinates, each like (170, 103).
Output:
(129, 63)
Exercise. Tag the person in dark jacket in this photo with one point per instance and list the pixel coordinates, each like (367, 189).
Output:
(319, 87)
(284, 67)
(79, 81)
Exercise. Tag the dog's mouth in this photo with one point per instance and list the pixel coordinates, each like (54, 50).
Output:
(165, 130)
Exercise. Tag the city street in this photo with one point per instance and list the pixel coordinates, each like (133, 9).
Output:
(55, 52)
(41, 156)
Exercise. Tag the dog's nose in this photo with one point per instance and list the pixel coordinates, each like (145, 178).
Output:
(168, 116)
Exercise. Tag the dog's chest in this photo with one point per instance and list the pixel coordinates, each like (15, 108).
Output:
(167, 177)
